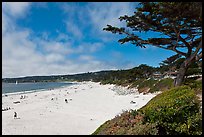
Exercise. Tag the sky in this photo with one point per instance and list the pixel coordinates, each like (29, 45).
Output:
(60, 38)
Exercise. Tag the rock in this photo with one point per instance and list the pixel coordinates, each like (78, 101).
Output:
(124, 90)
(15, 102)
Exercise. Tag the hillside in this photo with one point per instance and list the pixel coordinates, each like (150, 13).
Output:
(145, 78)
(142, 71)
(173, 112)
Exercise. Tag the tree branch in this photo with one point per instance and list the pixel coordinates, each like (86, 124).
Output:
(183, 40)
(161, 47)
(173, 49)
(179, 52)
(194, 55)
(187, 45)
(198, 48)
(199, 56)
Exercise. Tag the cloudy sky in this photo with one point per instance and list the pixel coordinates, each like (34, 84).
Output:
(67, 38)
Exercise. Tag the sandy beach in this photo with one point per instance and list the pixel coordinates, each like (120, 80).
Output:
(88, 106)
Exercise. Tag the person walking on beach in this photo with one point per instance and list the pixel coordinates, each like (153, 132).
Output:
(15, 115)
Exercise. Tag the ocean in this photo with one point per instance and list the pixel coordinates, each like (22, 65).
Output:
(13, 87)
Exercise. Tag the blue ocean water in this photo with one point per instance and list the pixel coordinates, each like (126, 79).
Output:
(13, 87)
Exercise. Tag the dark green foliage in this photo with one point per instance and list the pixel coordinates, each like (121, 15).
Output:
(168, 18)
(162, 85)
(147, 83)
(173, 112)
(137, 82)
(180, 30)
(169, 64)
(196, 85)
(173, 61)
(143, 129)
(193, 71)
(154, 85)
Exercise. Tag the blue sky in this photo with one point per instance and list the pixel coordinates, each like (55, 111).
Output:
(67, 38)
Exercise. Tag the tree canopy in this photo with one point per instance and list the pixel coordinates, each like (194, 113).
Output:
(180, 26)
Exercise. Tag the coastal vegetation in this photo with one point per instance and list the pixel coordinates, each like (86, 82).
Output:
(176, 111)
(145, 78)
(173, 112)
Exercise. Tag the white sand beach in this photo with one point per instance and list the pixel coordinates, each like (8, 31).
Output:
(46, 112)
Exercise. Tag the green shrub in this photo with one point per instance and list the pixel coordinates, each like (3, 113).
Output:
(126, 124)
(154, 85)
(147, 83)
(162, 85)
(195, 85)
(143, 129)
(172, 110)
(136, 83)
(99, 129)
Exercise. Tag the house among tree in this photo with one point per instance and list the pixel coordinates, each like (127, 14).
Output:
(170, 74)
(157, 75)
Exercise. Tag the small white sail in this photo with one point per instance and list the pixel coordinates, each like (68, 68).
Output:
(16, 82)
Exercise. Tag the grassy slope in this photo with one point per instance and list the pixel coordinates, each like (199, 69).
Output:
(174, 112)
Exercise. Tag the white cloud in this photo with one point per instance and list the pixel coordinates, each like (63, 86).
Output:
(16, 9)
(20, 56)
(74, 19)
(52, 58)
(102, 13)
(12, 11)
(89, 47)
(45, 35)
(94, 16)
(74, 30)
(7, 24)
(63, 37)
(55, 46)
(116, 54)
(26, 54)
(85, 58)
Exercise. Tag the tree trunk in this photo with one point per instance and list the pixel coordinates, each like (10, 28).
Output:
(180, 76)
(182, 71)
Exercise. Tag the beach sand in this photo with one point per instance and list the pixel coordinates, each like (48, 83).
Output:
(46, 112)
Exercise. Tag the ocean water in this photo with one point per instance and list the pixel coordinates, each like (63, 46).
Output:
(13, 87)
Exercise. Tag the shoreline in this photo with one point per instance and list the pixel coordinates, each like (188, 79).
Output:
(89, 105)
(37, 90)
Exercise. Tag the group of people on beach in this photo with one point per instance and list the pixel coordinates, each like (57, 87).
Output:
(22, 97)
(15, 115)
(5, 109)
(8, 108)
